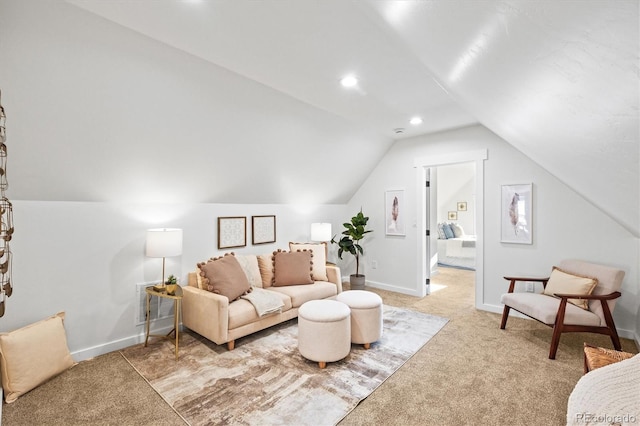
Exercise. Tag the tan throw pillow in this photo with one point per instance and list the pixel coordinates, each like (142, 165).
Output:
(32, 355)
(265, 264)
(224, 276)
(319, 250)
(292, 268)
(562, 282)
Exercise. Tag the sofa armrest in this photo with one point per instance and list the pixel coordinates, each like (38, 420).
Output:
(333, 274)
(206, 313)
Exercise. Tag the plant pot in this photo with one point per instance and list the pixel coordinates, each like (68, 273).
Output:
(356, 281)
(171, 288)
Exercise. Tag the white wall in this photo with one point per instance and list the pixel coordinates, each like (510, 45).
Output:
(86, 258)
(564, 224)
(456, 183)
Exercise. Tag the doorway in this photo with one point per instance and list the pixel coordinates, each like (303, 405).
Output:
(427, 212)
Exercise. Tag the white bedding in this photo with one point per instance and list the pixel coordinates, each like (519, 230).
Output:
(460, 252)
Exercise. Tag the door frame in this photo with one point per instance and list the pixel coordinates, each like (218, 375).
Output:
(422, 164)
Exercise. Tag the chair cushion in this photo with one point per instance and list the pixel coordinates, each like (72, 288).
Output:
(561, 282)
(545, 308)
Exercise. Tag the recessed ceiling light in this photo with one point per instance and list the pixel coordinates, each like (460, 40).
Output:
(349, 81)
(415, 121)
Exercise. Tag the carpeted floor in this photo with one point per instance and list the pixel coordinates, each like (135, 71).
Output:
(470, 373)
(267, 373)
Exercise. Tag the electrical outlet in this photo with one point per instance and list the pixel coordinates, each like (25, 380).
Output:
(530, 287)
(374, 264)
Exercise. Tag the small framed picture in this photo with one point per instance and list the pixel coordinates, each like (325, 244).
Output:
(232, 232)
(462, 206)
(516, 215)
(263, 229)
(452, 216)
(394, 212)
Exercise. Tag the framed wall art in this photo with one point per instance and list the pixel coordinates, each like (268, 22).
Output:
(232, 232)
(516, 211)
(263, 229)
(462, 206)
(452, 215)
(395, 212)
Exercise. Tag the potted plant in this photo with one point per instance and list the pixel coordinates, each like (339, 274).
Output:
(350, 243)
(172, 284)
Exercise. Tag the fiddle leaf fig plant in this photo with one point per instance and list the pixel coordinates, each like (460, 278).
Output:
(353, 233)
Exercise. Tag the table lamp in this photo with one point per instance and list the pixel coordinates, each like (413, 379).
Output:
(322, 232)
(163, 242)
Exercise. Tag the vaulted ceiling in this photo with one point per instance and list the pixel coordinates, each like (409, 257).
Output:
(556, 79)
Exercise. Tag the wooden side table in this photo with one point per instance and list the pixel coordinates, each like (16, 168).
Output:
(177, 304)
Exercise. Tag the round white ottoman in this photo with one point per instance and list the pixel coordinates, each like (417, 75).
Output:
(366, 315)
(324, 331)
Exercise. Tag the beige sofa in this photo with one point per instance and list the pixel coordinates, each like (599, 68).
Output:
(214, 317)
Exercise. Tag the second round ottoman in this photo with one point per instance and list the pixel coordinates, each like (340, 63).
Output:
(366, 315)
(324, 331)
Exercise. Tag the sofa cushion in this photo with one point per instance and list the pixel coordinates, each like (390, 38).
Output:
(304, 293)
(292, 268)
(32, 355)
(224, 276)
(249, 264)
(265, 264)
(242, 312)
(319, 250)
(562, 282)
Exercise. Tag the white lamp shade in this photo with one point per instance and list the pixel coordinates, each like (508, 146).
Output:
(164, 242)
(320, 232)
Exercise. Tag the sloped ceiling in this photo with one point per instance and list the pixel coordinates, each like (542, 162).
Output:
(557, 79)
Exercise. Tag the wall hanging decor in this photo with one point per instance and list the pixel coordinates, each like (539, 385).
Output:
(232, 232)
(516, 214)
(452, 215)
(6, 218)
(394, 212)
(263, 229)
(462, 206)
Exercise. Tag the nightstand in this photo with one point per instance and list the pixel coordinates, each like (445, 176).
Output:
(177, 304)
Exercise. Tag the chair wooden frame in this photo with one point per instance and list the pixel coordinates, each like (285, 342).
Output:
(559, 326)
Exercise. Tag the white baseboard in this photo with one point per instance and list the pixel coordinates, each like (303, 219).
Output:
(388, 287)
(116, 345)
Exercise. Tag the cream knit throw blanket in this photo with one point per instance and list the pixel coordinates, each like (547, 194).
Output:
(608, 395)
(264, 301)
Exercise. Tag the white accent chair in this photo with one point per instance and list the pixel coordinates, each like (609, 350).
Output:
(566, 317)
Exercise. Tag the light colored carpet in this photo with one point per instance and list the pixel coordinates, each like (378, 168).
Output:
(470, 373)
(265, 381)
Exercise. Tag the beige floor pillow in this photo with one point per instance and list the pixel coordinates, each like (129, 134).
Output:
(32, 355)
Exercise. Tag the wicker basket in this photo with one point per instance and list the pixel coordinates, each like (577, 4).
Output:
(596, 357)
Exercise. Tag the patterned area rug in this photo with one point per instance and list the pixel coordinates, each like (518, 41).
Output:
(265, 381)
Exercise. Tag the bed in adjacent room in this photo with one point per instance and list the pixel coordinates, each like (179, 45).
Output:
(455, 248)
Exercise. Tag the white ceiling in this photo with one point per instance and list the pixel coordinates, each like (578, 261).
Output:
(556, 79)
(302, 49)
